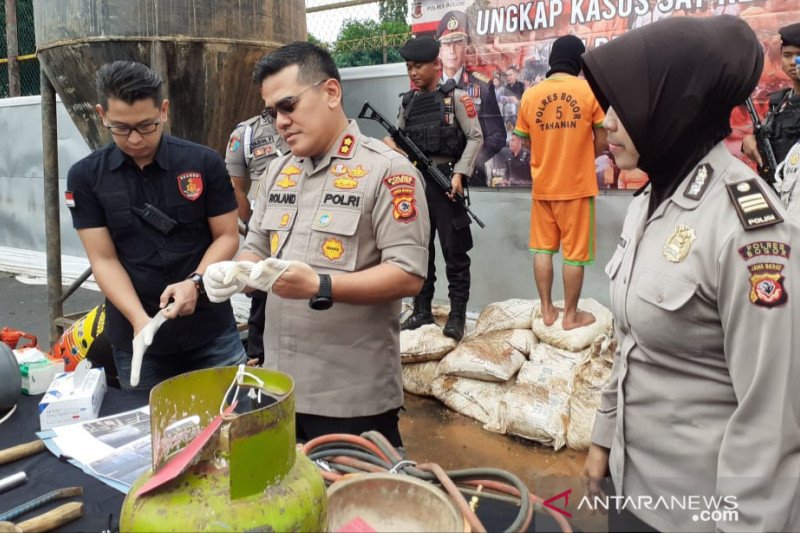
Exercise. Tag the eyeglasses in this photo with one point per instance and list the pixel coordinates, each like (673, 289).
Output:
(141, 129)
(286, 106)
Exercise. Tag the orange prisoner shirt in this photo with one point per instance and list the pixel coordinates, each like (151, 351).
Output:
(559, 115)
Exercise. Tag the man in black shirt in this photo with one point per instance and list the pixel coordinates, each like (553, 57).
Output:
(152, 212)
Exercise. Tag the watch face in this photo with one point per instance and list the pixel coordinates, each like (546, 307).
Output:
(319, 303)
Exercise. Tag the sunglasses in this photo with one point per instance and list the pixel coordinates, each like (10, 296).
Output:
(286, 106)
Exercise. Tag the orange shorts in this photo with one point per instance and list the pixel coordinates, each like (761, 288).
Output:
(567, 222)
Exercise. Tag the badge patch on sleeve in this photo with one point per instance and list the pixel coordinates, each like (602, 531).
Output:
(404, 200)
(767, 288)
(190, 184)
(469, 106)
(69, 198)
(762, 248)
(234, 144)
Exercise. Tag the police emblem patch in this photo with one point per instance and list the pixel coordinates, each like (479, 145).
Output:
(234, 144)
(324, 219)
(469, 106)
(190, 185)
(284, 219)
(333, 249)
(286, 182)
(678, 244)
(404, 200)
(767, 288)
(69, 198)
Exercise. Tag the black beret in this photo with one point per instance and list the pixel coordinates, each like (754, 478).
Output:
(420, 50)
(452, 27)
(790, 35)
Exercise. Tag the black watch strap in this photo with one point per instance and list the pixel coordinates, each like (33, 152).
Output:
(198, 282)
(324, 298)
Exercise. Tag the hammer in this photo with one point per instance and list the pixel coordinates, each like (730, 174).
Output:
(47, 521)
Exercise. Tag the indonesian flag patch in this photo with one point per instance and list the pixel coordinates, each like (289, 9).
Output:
(190, 184)
(69, 198)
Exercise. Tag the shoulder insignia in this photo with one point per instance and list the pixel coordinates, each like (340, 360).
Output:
(699, 182)
(468, 106)
(347, 146)
(752, 205)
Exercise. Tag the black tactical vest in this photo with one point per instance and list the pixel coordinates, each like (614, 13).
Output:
(430, 122)
(783, 122)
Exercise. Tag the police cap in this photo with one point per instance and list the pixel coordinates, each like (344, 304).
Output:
(790, 35)
(452, 27)
(420, 50)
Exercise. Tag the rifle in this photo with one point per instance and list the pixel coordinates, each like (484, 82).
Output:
(767, 169)
(417, 157)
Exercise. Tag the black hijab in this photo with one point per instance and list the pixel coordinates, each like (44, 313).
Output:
(673, 85)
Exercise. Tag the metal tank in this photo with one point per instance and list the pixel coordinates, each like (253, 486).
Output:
(204, 49)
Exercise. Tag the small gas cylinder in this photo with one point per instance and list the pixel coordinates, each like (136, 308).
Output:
(247, 477)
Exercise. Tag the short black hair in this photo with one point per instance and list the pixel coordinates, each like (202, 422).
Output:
(127, 81)
(315, 63)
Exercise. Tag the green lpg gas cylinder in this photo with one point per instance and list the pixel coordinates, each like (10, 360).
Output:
(248, 477)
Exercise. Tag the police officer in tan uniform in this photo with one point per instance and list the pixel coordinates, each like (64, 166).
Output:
(350, 214)
(252, 146)
(703, 402)
(443, 122)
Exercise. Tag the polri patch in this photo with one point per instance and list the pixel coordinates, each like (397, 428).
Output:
(69, 199)
(347, 145)
(404, 202)
(699, 182)
(767, 287)
(762, 248)
(190, 185)
(234, 144)
(752, 206)
(469, 106)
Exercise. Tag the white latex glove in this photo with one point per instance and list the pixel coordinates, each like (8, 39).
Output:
(266, 272)
(224, 279)
(142, 342)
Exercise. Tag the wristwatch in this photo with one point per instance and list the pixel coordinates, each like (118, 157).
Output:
(198, 282)
(324, 298)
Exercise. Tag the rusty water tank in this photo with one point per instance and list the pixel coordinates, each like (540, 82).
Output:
(204, 49)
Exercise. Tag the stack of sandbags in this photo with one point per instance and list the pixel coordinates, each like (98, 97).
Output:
(589, 377)
(578, 339)
(420, 352)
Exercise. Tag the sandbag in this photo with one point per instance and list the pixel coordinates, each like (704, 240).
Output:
(488, 357)
(417, 377)
(576, 339)
(510, 314)
(473, 398)
(588, 379)
(426, 343)
(523, 340)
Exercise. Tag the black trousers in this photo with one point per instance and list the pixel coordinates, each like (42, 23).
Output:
(451, 223)
(312, 426)
(255, 323)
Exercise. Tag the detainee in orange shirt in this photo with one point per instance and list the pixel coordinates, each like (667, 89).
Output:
(563, 120)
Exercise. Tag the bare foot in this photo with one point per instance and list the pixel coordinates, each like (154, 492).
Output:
(549, 316)
(581, 319)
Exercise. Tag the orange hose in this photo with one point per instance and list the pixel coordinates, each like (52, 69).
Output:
(458, 498)
(339, 437)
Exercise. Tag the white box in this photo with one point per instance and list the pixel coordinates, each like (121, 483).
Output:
(37, 375)
(67, 402)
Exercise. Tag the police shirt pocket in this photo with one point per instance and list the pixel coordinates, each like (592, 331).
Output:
(117, 208)
(278, 218)
(334, 243)
(616, 260)
(665, 292)
(188, 213)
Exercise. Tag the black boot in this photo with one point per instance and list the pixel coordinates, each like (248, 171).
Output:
(456, 320)
(422, 314)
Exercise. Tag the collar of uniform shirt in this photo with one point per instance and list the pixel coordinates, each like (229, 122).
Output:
(118, 157)
(313, 164)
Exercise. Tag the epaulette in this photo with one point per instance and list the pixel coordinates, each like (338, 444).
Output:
(378, 146)
(752, 204)
(480, 76)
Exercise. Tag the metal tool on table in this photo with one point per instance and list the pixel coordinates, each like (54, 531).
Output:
(51, 496)
(47, 521)
(246, 474)
(14, 480)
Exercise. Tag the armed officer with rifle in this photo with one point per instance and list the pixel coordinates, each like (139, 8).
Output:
(781, 127)
(441, 120)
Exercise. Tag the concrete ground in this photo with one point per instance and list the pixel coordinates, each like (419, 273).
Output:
(431, 431)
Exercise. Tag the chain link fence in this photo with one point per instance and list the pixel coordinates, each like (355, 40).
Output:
(26, 50)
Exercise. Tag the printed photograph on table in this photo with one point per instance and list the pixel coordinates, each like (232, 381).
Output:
(496, 49)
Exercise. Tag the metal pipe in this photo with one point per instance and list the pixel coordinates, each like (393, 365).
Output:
(76, 284)
(51, 214)
(12, 47)
(338, 5)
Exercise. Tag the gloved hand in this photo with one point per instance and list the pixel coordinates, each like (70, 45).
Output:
(224, 279)
(141, 342)
(266, 272)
